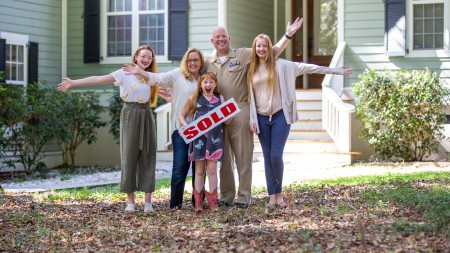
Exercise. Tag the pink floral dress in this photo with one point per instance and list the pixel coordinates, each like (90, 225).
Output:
(210, 145)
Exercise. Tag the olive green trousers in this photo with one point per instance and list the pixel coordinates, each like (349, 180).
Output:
(137, 148)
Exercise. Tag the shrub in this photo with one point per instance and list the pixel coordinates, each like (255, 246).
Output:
(31, 123)
(11, 111)
(80, 118)
(402, 113)
(40, 116)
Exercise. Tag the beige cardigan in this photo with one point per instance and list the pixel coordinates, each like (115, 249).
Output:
(287, 73)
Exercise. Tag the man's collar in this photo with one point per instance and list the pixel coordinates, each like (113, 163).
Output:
(231, 54)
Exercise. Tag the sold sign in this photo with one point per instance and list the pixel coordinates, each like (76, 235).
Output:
(210, 120)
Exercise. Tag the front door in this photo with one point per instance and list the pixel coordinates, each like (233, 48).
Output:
(317, 40)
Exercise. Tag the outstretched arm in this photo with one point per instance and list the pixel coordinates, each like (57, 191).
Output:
(68, 83)
(290, 31)
(305, 68)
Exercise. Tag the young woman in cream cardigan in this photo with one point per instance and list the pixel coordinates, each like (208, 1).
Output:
(273, 107)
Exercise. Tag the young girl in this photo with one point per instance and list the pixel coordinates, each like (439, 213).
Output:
(208, 148)
(137, 125)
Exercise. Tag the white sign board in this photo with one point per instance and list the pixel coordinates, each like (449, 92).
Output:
(210, 120)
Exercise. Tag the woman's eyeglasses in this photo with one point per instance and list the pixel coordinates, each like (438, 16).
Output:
(146, 57)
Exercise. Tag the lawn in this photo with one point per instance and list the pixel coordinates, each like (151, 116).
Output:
(390, 213)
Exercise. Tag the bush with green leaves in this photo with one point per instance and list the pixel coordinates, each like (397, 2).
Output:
(11, 111)
(33, 119)
(115, 106)
(402, 113)
(80, 118)
(31, 123)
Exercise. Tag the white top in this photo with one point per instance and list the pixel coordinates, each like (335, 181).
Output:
(182, 89)
(131, 88)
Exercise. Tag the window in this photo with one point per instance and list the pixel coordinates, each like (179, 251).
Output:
(428, 28)
(126, 24)
(16, 55)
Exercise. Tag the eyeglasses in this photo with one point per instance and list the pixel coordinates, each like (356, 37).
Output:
(193, 60)
(146, 57)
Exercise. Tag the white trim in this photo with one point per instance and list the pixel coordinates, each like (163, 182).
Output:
(21, 40)
(305, 40)
(275, 18)
(443, 53)
(104, 59)
(63, 38)
(289, 18)
(341, 19)
(222, 13)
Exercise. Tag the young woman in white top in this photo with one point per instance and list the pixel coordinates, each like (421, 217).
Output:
(137, 125)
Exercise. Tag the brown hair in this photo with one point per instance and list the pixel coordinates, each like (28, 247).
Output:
(269, 62)
(198, 91)
(184, 63)
(151, 68)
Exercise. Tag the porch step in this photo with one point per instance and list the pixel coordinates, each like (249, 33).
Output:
(304, 146)
(307, 124)
(310, 114)
(309, 152)
(308, 134)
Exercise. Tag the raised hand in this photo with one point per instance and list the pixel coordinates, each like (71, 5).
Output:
(132, 68)
(292, 28)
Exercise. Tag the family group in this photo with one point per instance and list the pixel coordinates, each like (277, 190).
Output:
(262, 85)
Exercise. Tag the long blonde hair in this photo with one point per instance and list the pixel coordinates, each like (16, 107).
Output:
(269, 62)
(184, 63)
(151, 68)
(198, 91)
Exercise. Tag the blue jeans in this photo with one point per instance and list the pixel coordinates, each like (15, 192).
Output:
(180, 170)
(273, 134)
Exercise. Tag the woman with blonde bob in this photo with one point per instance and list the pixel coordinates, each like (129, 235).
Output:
(137, 125)
(273, 107)
(182, 82)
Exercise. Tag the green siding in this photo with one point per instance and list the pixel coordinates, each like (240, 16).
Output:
(203, 18)
(41, 21)
(247, 19)
(76, 68)
(364, 35)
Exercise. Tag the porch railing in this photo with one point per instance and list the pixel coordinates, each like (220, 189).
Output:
(336, 114)
(163, 128)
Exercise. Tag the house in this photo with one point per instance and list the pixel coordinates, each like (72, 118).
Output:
(57, 38)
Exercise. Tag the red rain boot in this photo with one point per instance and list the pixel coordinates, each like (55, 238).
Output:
(199, 200)
(212, 200)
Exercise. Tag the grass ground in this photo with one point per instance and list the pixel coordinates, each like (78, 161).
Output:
(389, 213)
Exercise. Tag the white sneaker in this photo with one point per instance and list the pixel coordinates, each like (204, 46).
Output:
(130, 208)
(148, 208)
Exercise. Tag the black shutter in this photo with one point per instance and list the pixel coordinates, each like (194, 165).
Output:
(33, 62)
(178, 28)
(3, 55)
(395, 28)
(91, 31)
